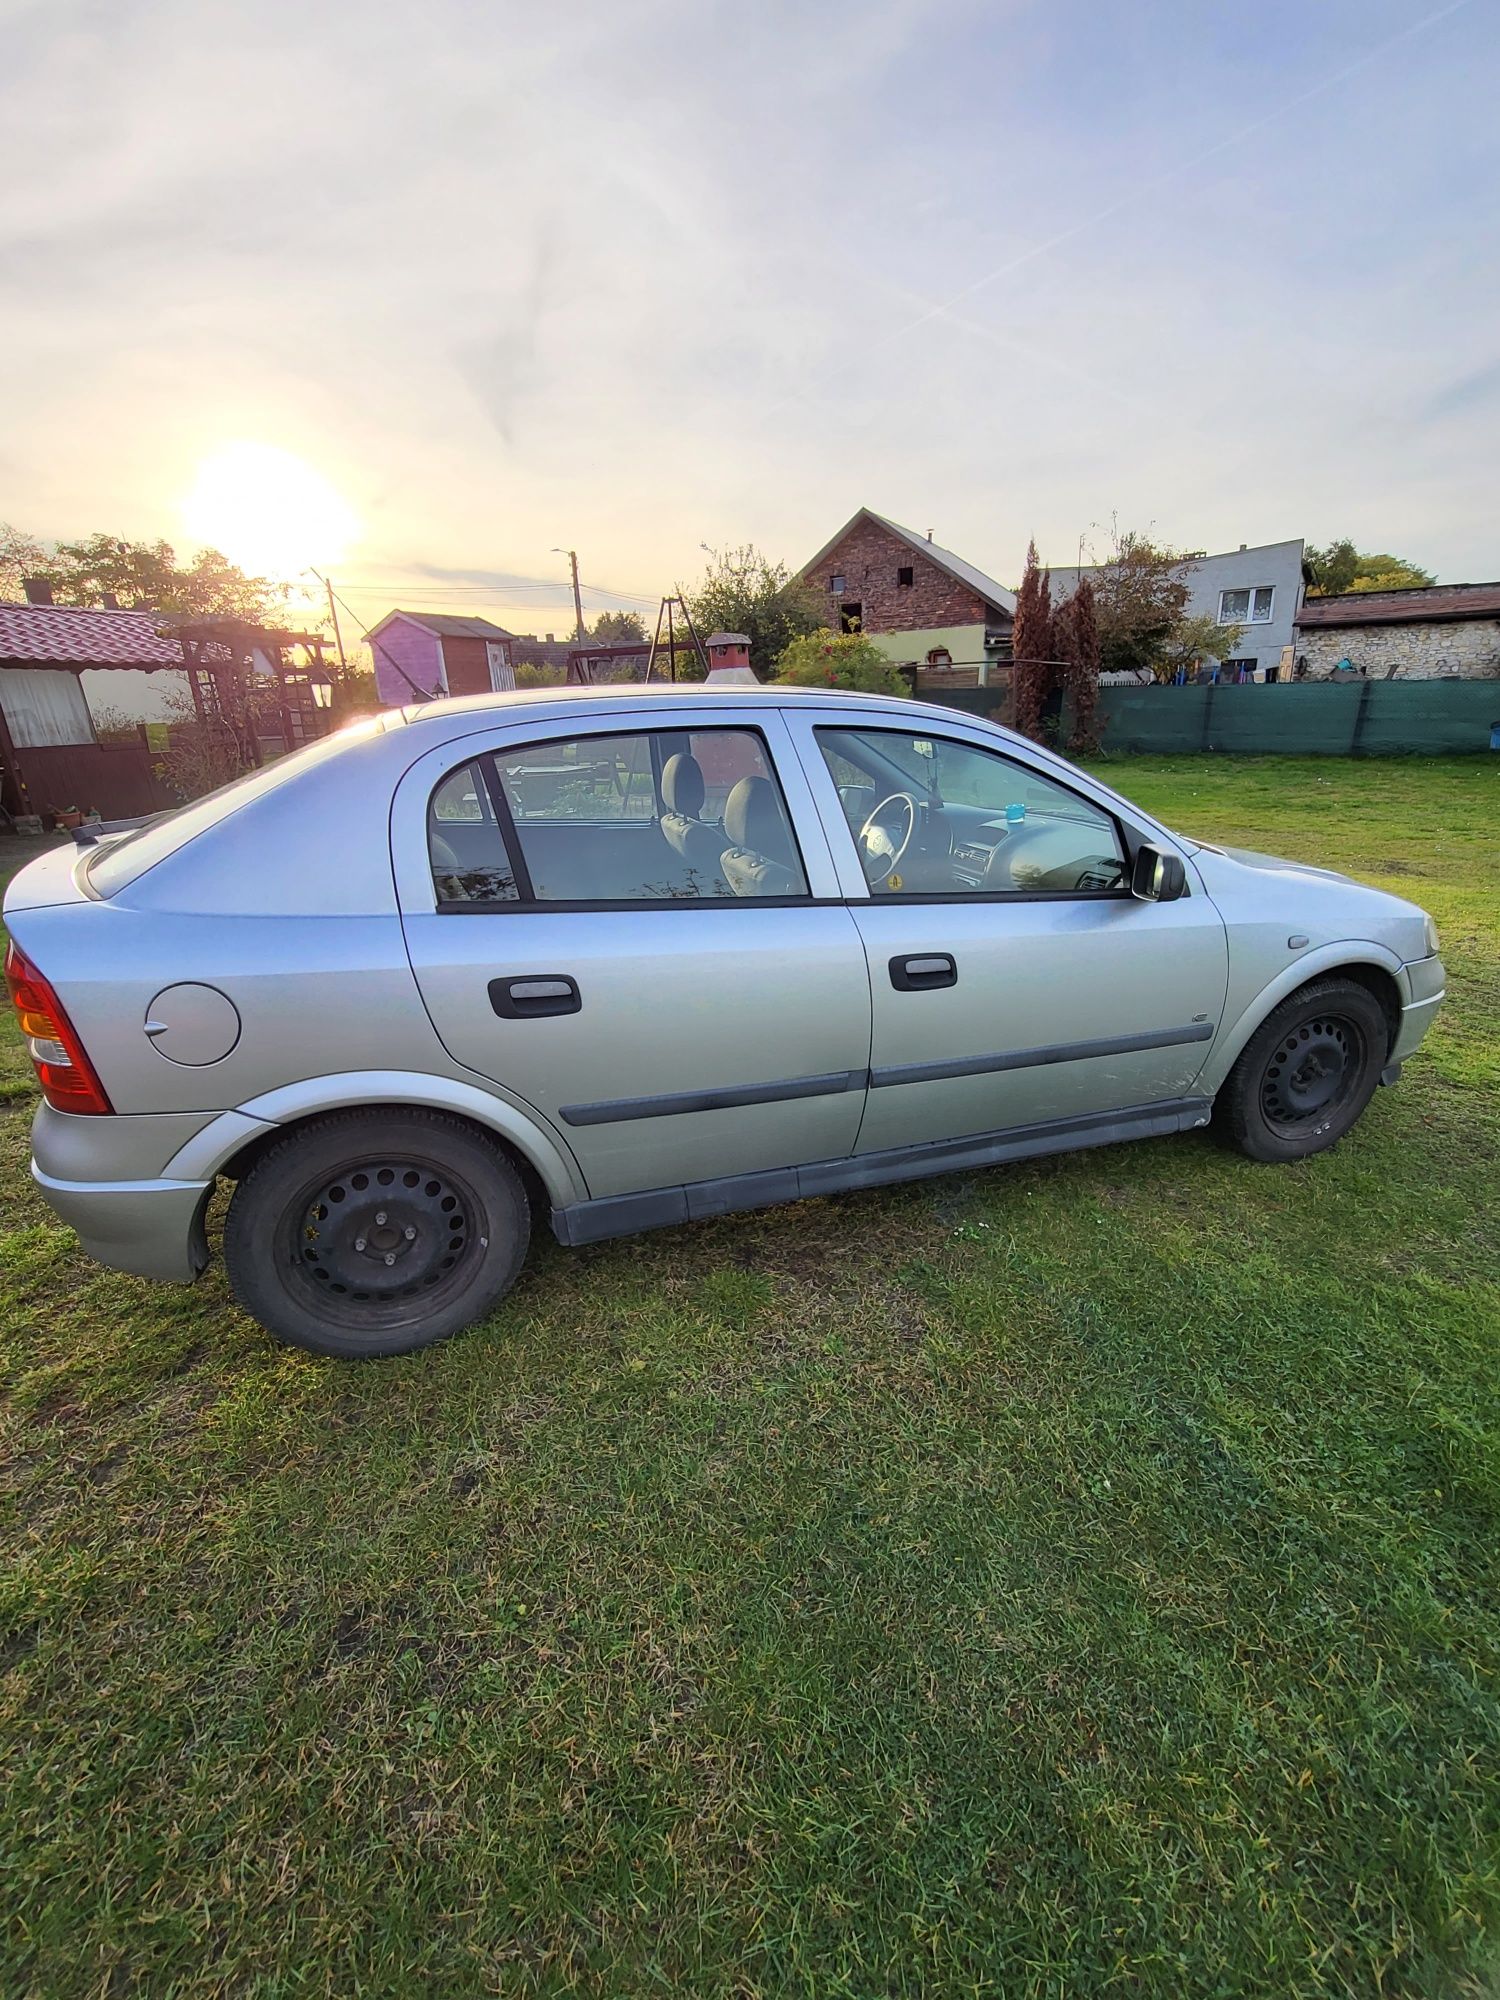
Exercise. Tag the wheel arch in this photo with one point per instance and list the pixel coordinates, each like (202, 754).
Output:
(1371, 965)
(231, 1143)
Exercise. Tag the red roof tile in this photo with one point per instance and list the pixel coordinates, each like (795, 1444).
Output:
(1438, 601)
(68, 636)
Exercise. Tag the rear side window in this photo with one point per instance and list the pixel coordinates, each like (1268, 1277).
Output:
(658, 816)
(470, 860)
(112, 868)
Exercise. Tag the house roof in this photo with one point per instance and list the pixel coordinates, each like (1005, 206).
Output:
(67, 635)
(1435, 603)
(993, 593)
(446, 625)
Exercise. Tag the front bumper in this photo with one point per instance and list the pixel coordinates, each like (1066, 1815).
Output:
(1424, 984)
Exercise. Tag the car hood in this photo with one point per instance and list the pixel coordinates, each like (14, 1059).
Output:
(1248, 857)
(1248, 887)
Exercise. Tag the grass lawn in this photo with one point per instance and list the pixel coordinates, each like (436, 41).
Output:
(1080, 1578)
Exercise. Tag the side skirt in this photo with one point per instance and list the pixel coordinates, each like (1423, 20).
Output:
(659, 1208)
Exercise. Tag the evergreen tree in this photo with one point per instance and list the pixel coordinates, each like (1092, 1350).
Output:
(1075, 629)
(1033, 675)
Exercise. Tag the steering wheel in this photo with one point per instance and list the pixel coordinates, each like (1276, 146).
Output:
(880, 851)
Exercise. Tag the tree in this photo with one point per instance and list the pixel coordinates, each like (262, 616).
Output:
(146, 576)
(744, 591)
(1075, 636)
(839, 660)
(1193, 639)
(618, 628)
(1034, 673)
(21, 556)
(1140, 598)
(1340, 567)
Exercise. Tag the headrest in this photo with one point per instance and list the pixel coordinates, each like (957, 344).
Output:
(752, 818)
(682, 785)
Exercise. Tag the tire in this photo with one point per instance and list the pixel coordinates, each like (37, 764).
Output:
(1306, 1074)
(367, 1233)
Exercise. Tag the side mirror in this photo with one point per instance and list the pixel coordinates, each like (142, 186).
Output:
(1158, 877)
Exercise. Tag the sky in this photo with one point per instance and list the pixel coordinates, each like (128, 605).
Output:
(418, 294)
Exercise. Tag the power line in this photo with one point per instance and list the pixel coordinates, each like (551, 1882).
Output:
(500, 594)
(379, 646)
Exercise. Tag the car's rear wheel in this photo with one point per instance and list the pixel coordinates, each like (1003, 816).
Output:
(1307, 1072)
(375, 1232)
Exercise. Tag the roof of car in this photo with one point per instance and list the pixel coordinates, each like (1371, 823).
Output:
(676, 694)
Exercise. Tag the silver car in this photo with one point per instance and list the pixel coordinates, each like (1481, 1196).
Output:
(616, 959)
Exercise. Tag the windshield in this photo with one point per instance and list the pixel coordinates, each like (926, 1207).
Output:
(112, 868)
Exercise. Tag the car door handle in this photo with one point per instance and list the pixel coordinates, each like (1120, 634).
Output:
(924, 971)
(532, 997)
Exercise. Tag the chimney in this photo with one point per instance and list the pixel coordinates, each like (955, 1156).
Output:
(37, 592)
(929, 534)
(110, 601)
(729, 660)
(1243, 547)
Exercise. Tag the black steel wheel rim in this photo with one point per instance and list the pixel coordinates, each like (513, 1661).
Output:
(1312, 1072)
(382, 1242)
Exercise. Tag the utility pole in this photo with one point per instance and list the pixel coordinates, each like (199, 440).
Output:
(578, 632)
(338, 637)
(333, 612)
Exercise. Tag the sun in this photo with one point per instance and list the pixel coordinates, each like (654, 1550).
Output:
(268, 511)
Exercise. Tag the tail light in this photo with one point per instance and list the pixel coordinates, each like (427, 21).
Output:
(64, 1071)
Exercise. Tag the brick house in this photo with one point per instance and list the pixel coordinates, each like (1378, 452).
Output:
(921, 604)
(1448, 631)
(423, 655)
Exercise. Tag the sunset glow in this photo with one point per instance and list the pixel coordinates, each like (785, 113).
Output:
(269, 511)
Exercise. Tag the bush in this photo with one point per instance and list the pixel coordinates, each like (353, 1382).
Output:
(839, 660)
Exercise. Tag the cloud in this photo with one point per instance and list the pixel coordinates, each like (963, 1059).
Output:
(643, 273)
(1465, 394)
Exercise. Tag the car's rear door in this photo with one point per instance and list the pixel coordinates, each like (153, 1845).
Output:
(670, 1030)
(1029, 995)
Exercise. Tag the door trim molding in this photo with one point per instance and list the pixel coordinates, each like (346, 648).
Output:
(1055, 1052)
(673, 1103)
(659, 1208)
(618, 1110)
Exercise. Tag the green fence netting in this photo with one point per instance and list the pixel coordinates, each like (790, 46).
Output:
(1357, 718)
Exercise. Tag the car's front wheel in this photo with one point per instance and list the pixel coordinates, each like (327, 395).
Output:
(375, 1232)
(1307, 1072)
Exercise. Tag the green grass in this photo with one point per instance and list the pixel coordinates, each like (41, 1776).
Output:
(1082, 1578)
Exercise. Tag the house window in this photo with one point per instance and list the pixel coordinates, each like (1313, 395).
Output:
(851, 617)
(1246, 607)
(45, 708)
(903, 579)
(836, 585)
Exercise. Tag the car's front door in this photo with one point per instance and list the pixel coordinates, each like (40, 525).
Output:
(634, 925)
(1015, 980)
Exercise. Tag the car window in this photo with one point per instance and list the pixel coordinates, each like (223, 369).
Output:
(595, 778)
(470, 859)
(115, 866)
(933, 816)
(652, 816)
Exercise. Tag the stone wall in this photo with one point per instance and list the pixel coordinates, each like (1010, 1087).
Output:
(868, 559)
(1459, 649)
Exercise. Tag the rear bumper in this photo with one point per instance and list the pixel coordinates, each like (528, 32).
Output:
(153, 1228)
(1425, 985)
